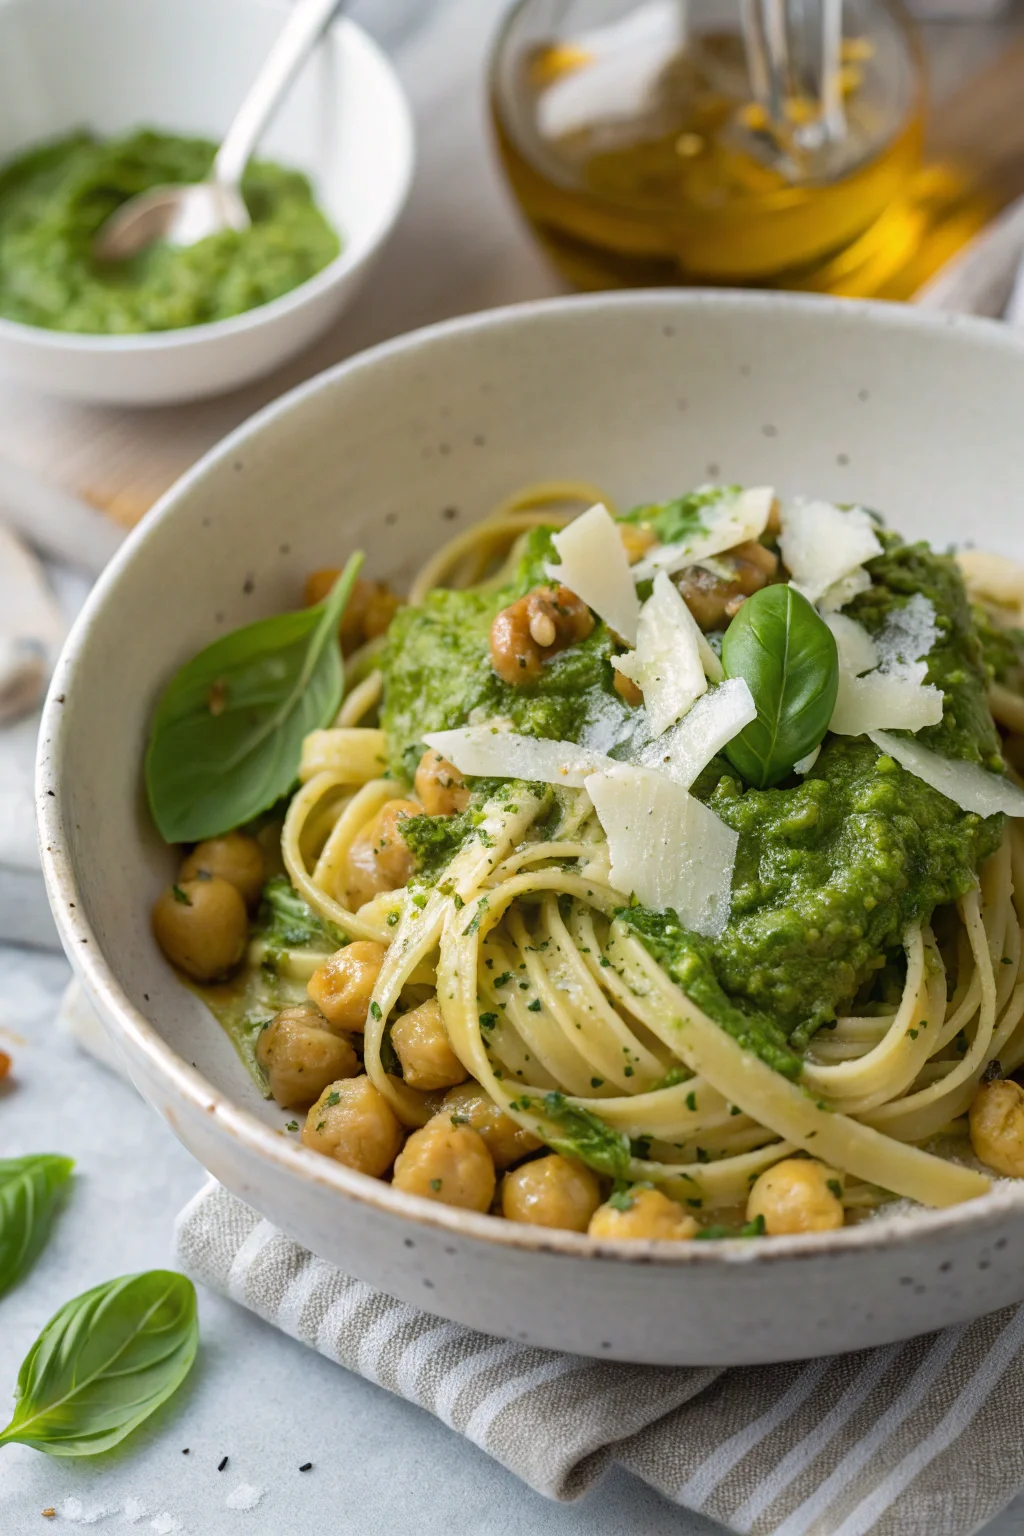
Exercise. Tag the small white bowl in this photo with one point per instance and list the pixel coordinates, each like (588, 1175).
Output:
(183, 66)
(644, 394)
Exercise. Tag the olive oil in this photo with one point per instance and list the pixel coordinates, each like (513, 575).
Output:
(695, 187)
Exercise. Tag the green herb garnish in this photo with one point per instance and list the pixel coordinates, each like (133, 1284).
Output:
(30, 1190)
(210, 769)
(104, 1362)
(787, 656)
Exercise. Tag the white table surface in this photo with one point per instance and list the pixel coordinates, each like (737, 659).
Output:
(269, 1404)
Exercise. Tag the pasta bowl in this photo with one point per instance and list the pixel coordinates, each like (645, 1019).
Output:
(391, 451)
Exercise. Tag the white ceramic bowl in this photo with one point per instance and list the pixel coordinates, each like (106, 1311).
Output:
(646, 394)
(183, 66)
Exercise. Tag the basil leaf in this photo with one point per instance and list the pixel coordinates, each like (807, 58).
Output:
(30, 1188)
(227, 734)
(104, 1362)
(787, 655)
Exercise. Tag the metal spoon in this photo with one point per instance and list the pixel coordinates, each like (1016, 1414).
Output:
(181, 215)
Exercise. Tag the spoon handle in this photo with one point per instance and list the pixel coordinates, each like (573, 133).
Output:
(307, 21)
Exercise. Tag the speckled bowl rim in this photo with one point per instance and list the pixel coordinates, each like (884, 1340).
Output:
(266, 1143)
(358, 248)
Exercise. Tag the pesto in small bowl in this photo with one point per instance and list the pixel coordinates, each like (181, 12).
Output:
(54, 199)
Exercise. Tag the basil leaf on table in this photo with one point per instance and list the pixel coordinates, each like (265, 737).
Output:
(227, 735)
(787, 656)
(30, 1188)
(104, 1363)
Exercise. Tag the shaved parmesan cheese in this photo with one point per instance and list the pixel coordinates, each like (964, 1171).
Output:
(968, 785)
(596, 567)
(893, 695)
(666, 848)
(725, 523)
(485, 751)
(804, 764)
(667, 665)
(714, 720)
(884, 701)
(822, 545)
(842, 592)
(857, 651)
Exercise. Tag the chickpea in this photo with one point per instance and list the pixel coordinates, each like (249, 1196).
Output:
(234, 857)
(636, 540)
(300, 1056)
(379, 859)
(713, 601)
(202, 927)
(504, 1138)
(5, 1065)
(449, 1163)
(532, 630)
(551, 1192)
(996, 1121)
(643, 1213)
(421, 1044)
(342, 986)
(354, 1123)
(439, 786)
(797, 1195)
(368, 612)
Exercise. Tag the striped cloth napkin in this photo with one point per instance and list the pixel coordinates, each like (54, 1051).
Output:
(925, 1437)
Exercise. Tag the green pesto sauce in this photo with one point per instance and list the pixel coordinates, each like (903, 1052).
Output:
(830, 869)
(1003, 651)
(54, 199)
(437, 672)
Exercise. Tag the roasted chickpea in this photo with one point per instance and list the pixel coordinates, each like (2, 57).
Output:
(505, 1140)
(642, 1213)
(202, 927)
(552, 1191)
(235, 858)
(439, 785)
(353, 1122)
(797, 1195)
(636, 540)
(342, 986)
(301, 1055)
(532, 630)
(5, 1065)
(714, 601)
(449, 1163)
(421, 1044)
(368, 612)
(379, 858)
(996, 1121)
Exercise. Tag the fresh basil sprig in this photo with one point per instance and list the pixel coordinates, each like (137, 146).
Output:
(30, 1189)
(104, 1362)
(227, 735)
(787, 656)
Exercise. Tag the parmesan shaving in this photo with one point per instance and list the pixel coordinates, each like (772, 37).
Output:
(731, 520)
(486, 751)
(713, 721)
(822, 546)
(842, 592)
(667, 849)
(968, 785)
(893, 695)
(595, 566)
(667, 665)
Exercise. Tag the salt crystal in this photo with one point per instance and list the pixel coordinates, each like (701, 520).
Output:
(134, 1510)
(164, 1525)
(245, 1496)
(908, 636)
(74, 1510)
